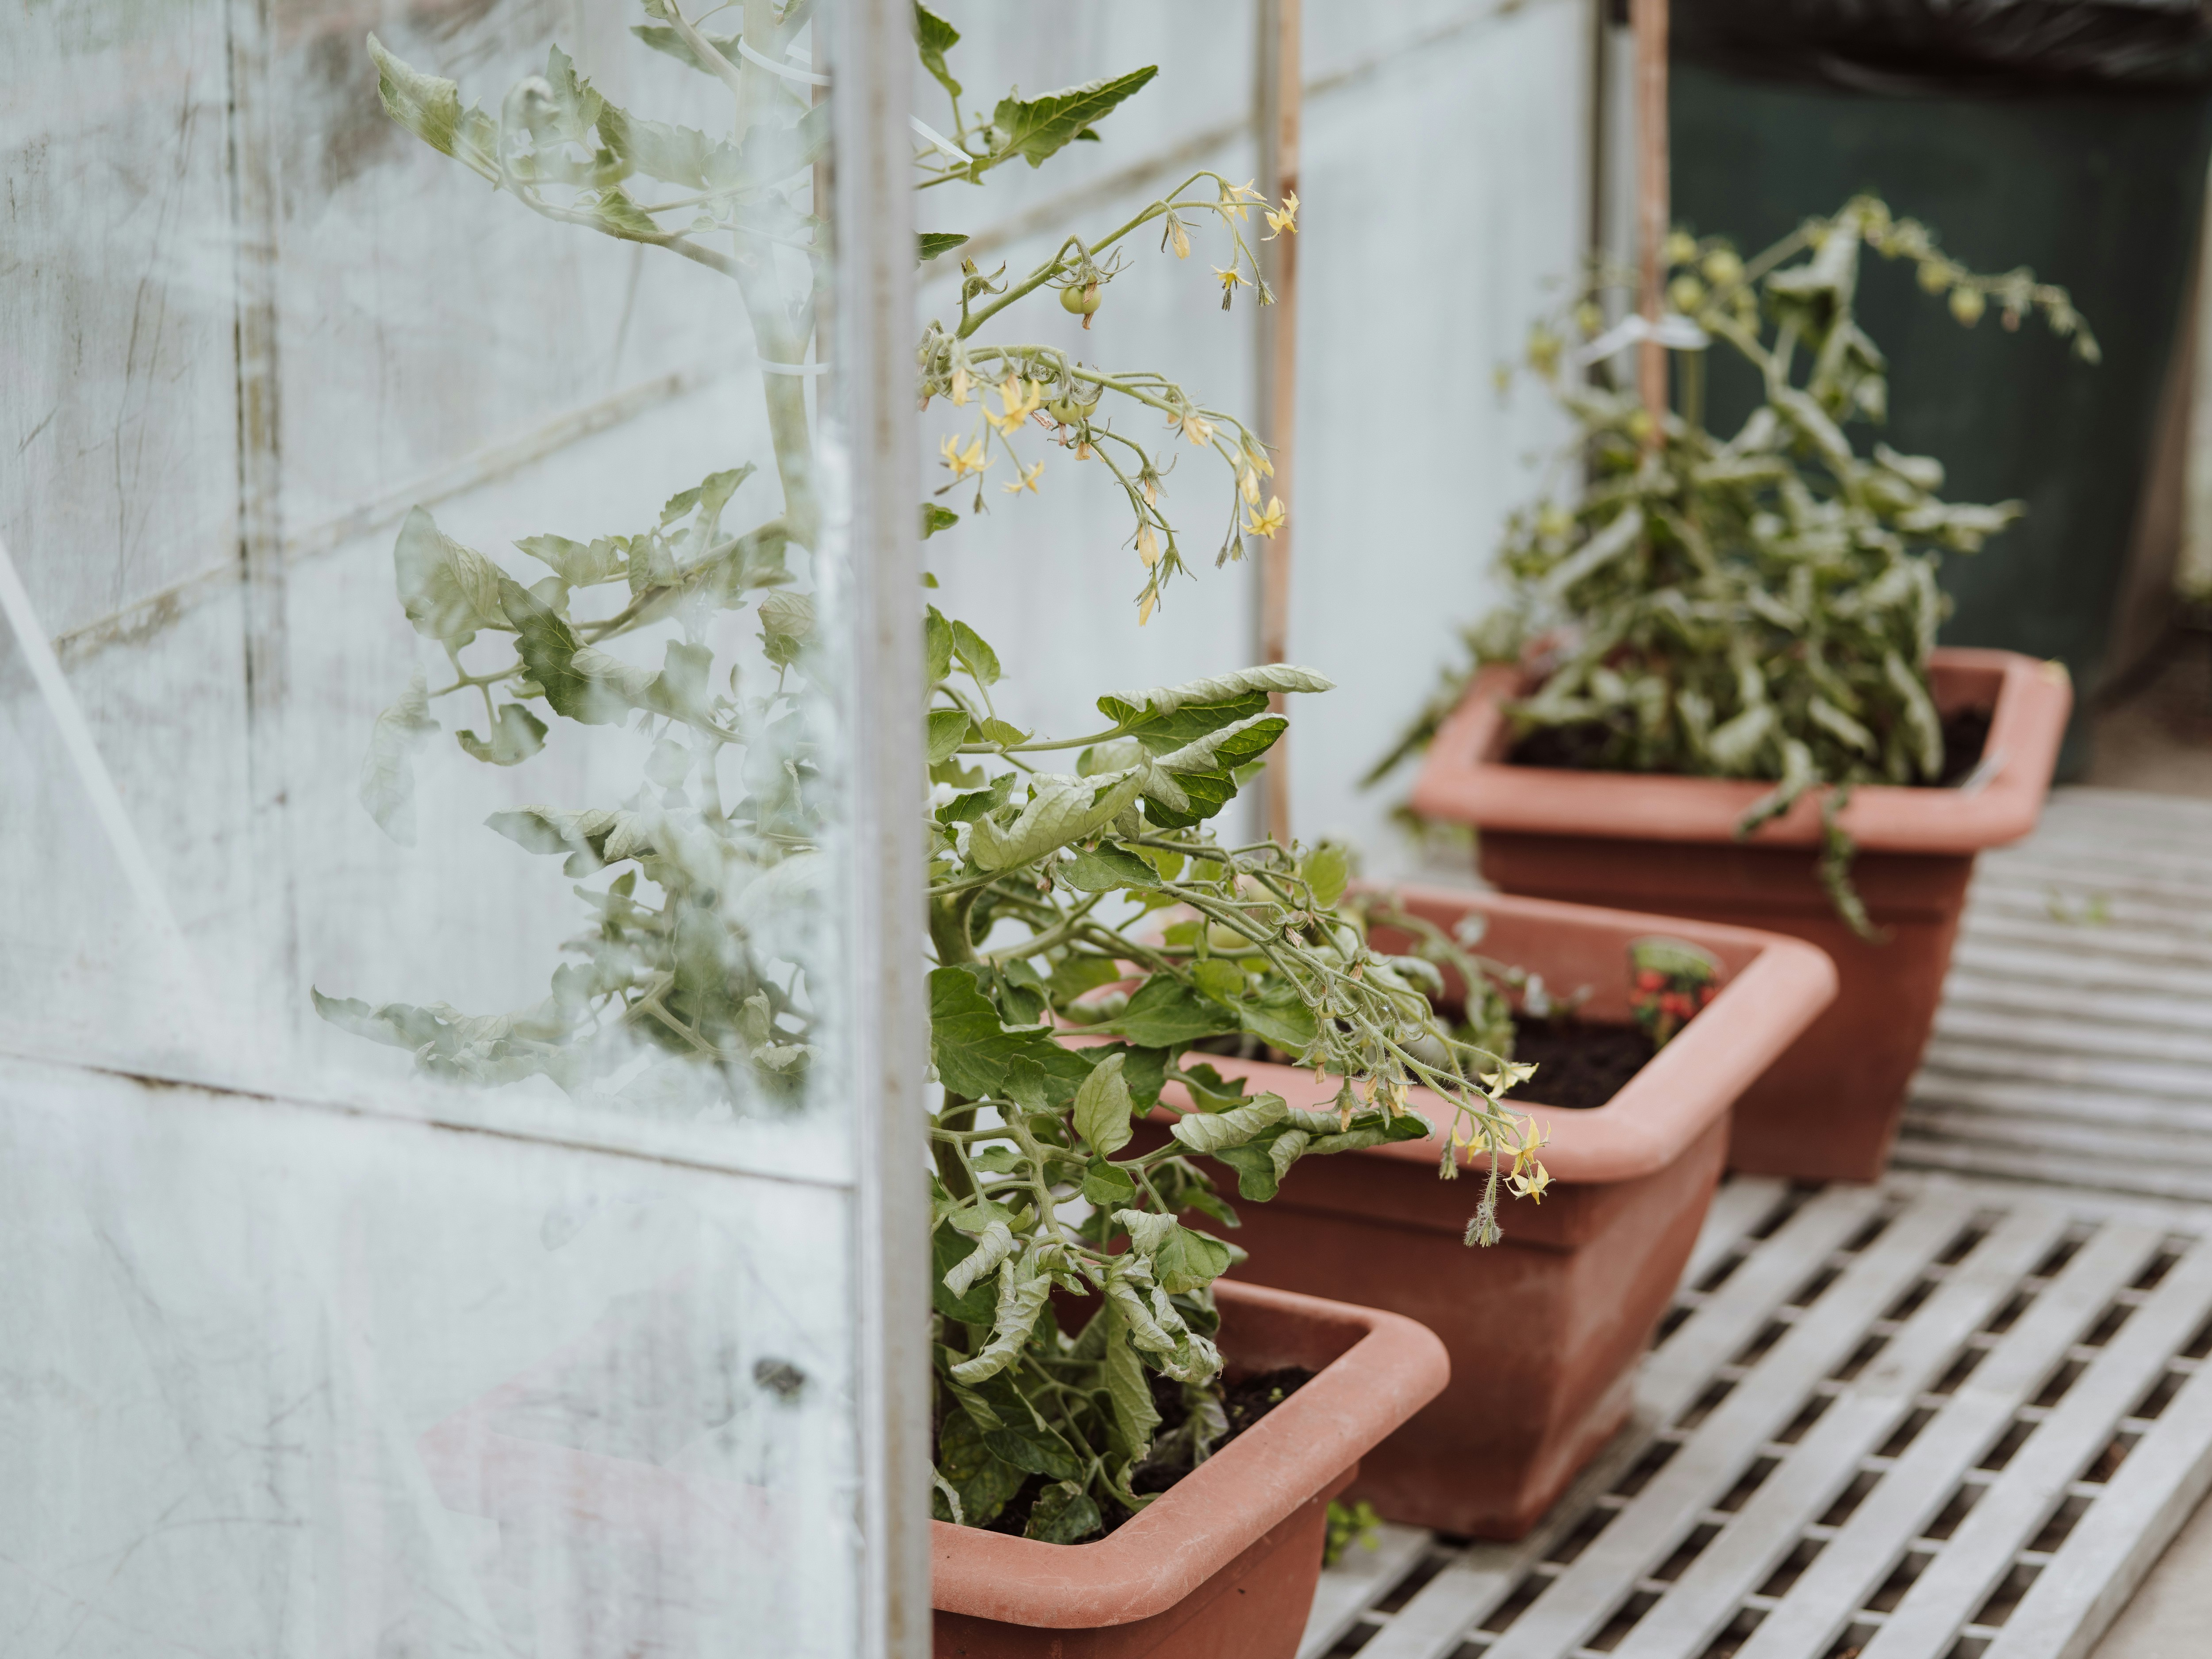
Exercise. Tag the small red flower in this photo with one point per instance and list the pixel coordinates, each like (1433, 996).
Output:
(1650, 979)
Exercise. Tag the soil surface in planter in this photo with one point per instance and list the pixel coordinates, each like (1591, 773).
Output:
(1578, 1065)
(1582, 748)
(1245, 1401)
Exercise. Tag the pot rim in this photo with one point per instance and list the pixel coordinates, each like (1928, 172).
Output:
(1660, 1113)
(1390, 1369)
(1465, 778)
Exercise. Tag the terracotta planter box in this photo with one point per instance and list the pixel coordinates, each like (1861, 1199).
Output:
(1544, 1330)
(1828, 1109)
(1222, 1565)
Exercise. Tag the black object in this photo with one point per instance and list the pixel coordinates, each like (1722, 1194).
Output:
(2098, 187)
(1952, 46)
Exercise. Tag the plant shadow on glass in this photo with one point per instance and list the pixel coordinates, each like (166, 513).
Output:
(1059, 1011)
(1760, 606)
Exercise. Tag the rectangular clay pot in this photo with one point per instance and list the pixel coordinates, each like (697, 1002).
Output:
(1828, 1109)
(1544, 1330)
(1222, 1565)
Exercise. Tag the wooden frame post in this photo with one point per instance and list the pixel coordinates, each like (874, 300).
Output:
(1648, 19)
(1278, 109)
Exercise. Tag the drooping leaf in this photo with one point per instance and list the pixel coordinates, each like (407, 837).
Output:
(986, 1482)
(1135, 1415)
(977, 658)
(430, 108)
(517, 735)
(1107, 1184)
(577, 564)
(927, 246)
(1036, 128)
(676, 155)
(387, 773)
(948, 1248)
(786, 624)
(1104, 867)
(1209, 1132)
(934, 519)
(1059, 810)
(1326, 869)
(936, 646)
(948, 730)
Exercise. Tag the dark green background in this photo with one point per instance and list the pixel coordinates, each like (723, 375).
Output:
(2100, 192)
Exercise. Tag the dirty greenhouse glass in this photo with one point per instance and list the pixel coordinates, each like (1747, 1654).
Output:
(436, 1133)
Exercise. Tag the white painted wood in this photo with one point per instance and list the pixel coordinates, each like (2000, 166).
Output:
(2147, 1076)
(2111, 1548)
(1977, 955)
(1432, 1623)
(1739, 1204)
(2012, 1162)
(2042, 1029)
(1858, 1420)
(1361, 1577)
(1855, 1561)
(2032, 927)
(2018, 1502)
(2006, 1098)
(1725, 1443)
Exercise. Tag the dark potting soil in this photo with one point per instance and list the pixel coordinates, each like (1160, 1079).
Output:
(1582, 748)
(1579, 1065)
(1244, 1400)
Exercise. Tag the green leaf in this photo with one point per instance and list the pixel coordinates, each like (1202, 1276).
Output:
(977, 658)
(676, 155)
(430, 108)
(786, 624)
(927, 246)
(1036, 1446)
(1037, 127)
(663, 39)
(1326, 870)
(1072, 976)
(1102, 1107)
(1188, 1261)
(971, 1047)
(548, 648)
(1212, 692)
(934, 37)
(1278, 1015)
(986, 1482)
(948, 1248)
(1166, 1013)
(1222, 980)
(387, 774)
(615, 211)
(1210, 1090)
(1103, 868)
(517, 735)
(948, 730)
(936, 646)
(934, 519)
(1059, 810)
(1063, 1514)
(1209, 1132)
(1135, 1416)
(447, 591)
(578, 565)
(1108, 1184)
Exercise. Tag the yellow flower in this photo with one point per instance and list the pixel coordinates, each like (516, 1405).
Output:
(1967, 305)
(1247, 485)
(1196, 427)
(959, 386)
(1149, 482)
(1148, 546)
(1231, 277)
(1234, 197)
(1026, 481)
(1287, 219)
(1151, 596)
(1020, 398)
(963, 462)
(1256, 453)
(1179, 237)
(1267, 523)
(1530, 1187)
(1507, 1077)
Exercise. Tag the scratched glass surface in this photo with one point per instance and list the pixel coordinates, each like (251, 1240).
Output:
(426, 1192)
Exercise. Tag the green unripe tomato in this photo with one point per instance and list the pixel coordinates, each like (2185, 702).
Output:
(1080, 302)
(1967, 305)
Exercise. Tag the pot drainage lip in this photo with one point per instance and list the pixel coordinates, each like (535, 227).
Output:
(1940, 1418)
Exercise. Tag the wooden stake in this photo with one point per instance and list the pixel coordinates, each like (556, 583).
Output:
(1647, 18)
(1280, 91)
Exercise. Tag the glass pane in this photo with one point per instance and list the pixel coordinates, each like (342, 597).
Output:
(424, 706)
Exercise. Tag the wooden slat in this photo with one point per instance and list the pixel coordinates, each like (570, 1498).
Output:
(1742, 1203)
(1360, 1577)
(2022, 925)
(2181, 1182)
(2094, 972)
(1854, 1563)
(2104, 1558)
(1717, 1454)
(1968, 1095)
(1862, 1415)
(1433, 1623)
(2144, 1077)
(2019, 1501)
(2084, 1140)
(2038, 1030)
